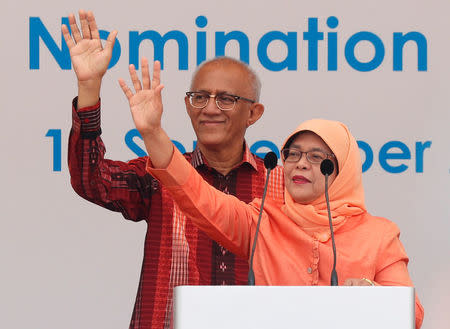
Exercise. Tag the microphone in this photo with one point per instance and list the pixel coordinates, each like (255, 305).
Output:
(270, 162)
(327, 168)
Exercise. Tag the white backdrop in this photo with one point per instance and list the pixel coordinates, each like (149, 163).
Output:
(66, 263)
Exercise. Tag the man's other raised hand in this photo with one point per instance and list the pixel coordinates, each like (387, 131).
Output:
(90, 59)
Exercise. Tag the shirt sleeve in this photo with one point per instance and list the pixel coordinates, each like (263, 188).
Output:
(392, 266)
(223, 217)
(124, 187)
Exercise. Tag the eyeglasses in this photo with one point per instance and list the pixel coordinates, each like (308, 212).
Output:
(294, 155)
(224, 101)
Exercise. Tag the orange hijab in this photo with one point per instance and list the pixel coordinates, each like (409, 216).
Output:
(346, 193)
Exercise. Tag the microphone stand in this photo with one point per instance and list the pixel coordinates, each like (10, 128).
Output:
(270, 162)
(334, 277)
(327, 168)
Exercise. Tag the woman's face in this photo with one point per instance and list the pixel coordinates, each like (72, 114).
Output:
(304, 181)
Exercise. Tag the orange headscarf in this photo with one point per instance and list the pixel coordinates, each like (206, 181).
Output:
(346, 193)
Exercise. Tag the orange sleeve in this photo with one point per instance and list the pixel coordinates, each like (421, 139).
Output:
(223, 217)
(391, 268)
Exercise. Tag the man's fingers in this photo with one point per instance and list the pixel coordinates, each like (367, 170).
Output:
(109, 45)
(134, 78)
(93, 26)
(74, 28)
(145, 73)
(84, 25)
(127, 91)
(67, 37)
(157, 92)
(159, 89)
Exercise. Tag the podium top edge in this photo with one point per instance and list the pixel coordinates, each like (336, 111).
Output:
(292, 287)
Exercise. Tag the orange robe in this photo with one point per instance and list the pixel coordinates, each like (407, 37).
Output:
(367, 246)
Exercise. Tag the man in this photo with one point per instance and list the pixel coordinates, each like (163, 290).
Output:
(222, 104)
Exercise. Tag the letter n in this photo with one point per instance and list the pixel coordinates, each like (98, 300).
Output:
(39, 31)
(400, 40)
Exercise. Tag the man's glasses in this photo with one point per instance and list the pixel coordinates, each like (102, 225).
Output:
(224, 101)
(294, 155)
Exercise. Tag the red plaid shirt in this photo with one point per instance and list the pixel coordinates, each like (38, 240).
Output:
(175, 251)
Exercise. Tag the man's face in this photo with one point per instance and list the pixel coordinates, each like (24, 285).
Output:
(216, 129)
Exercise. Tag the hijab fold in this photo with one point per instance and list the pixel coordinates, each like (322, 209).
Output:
(346, 193)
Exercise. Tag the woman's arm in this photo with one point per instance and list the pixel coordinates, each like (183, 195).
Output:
(224, 218)
(391, 269)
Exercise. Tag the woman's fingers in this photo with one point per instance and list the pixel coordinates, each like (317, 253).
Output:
(126, 90)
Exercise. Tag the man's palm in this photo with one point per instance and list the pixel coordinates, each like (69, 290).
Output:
(89, 60)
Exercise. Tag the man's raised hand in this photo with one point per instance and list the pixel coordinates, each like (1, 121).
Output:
(89, 59)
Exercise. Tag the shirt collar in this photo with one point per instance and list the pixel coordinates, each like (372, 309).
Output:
(197, 158)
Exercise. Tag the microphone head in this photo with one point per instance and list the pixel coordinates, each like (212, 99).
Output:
(327, 167)
(270, 160)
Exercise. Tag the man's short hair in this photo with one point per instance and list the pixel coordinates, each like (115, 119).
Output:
(252, 76)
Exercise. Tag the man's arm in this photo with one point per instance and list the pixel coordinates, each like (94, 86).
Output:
(89, 59)
(119, 186)
(115, 185)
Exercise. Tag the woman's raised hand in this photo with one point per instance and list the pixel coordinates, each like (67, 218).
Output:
(145, 102)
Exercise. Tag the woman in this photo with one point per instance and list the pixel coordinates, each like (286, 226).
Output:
(294, 246)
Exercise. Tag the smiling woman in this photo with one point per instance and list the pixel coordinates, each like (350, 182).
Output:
(303, 179)
(294, 246)
(305, 203)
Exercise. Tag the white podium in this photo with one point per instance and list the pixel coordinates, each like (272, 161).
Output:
(272, 307)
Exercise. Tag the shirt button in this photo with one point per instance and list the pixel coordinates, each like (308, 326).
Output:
(309, 270)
